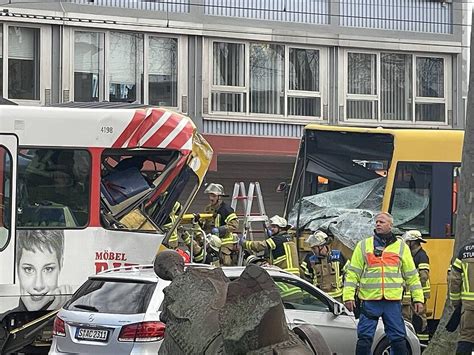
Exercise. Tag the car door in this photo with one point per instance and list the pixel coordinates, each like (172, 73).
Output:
(306, 304)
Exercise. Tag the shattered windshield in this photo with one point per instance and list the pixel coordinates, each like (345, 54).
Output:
(339, 183)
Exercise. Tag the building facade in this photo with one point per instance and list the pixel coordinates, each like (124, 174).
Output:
(250, 73)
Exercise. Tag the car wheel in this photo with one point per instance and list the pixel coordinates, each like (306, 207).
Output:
(383, 347)
(313, 339)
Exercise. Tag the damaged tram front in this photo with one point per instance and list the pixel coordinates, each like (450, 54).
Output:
(84, 190)
(345, 175)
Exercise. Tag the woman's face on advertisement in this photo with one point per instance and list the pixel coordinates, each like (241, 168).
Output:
(38, 273)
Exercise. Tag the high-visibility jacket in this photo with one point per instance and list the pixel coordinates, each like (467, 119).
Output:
(283, 251)
(325, 273)
(381, 277)
(461, 277)
(422, 264)
(226, 220)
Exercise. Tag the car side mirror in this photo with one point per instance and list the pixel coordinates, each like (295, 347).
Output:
(337, 309)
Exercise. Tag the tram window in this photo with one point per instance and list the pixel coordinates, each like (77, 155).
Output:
(53, 188)
(411, 197)
(422, 198)
(5, 193)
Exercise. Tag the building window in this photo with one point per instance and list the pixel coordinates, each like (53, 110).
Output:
(163, 71)
(111, 66)
(125, 67)
(88, 64)
(266, 79)
(430, 94)
(304, 97)
(228, 79)
(23, 63)
(396, 86)
(362, 101)
(381, 87)
(267, 63)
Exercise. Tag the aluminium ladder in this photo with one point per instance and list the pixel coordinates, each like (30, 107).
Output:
(249, 217)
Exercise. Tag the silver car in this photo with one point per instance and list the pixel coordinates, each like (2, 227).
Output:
(117, 311)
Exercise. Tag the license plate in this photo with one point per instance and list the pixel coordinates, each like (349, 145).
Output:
(92, 334)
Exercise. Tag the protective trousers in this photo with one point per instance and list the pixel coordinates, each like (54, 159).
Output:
(391, 313)
(466, 334)
(419, 321)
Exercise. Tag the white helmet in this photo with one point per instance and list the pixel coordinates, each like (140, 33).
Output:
(214, 242)
(318, 239)
(278, 221)
(254, 259)
(216, 189)
(413, 235)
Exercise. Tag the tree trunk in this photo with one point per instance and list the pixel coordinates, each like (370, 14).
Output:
(444, 342)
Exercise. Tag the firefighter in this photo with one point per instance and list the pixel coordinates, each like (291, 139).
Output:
(195, 243)
(173, 216)
(213, 250)
(282, 247)
(323, 265)
(224, 224)
(414, 239)
(379, 267)
(461, 293)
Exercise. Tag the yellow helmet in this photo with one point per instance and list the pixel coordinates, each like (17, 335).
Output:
(318, 239)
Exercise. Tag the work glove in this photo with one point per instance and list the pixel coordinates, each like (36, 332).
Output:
(269, 232)
(215, 231)
(241, 240)
(313, 259)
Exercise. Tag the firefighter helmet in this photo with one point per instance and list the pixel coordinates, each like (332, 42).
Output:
(413, 235)
(318, 239)
(216, 189)
(214, 242)
(256, 260)
(278, 221)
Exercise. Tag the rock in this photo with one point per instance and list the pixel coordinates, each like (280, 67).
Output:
(191, 312)
(206, 313)
(253, 316)
(168, 264)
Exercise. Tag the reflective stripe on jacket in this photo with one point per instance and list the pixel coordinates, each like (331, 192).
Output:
(382, 277)
(422, 264)
(173, 217)
(283, 251)
(461, 277)
(229, 222)
(326, 273)
(224, 217)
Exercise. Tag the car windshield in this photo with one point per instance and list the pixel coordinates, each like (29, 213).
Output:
(111, 296)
